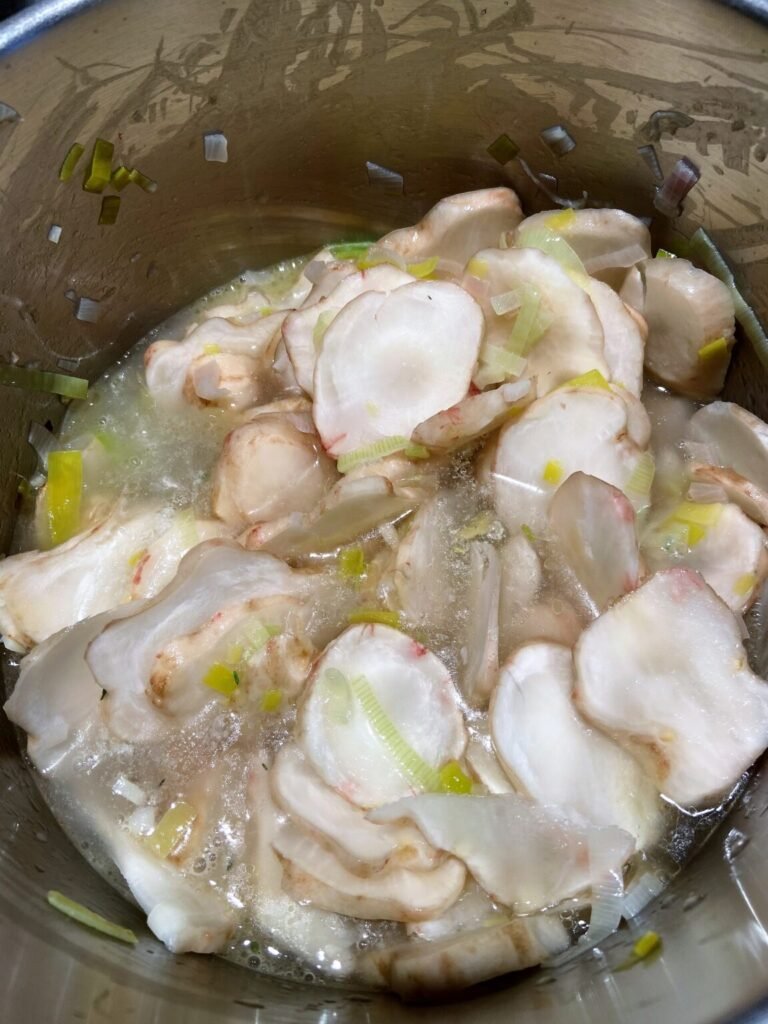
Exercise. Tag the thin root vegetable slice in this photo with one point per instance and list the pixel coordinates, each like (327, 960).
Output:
(735, 438)
(735, 488)
(481, 665)
(665, 672)
(473, 417)
(420, 345)
(624, 336)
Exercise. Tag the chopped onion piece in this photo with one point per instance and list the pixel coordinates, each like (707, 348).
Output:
(110, 207)
(172, 829)
(215, 147)
(123, 786)
(503, 149)
(651, 159)
(70, 161)
(145, 183)
(54, 233)
(553, 245)
(640, 892)
(506, 302)
(558, 139)
(676, 186)
(63, 494)
(89, 918)
(43, 380)
(389, 180)
(87, 310)
(100, 169)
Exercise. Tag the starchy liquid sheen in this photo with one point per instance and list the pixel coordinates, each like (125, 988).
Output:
(156, 454)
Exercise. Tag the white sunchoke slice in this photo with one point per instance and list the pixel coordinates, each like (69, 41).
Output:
(569, 430)
(213, 577)
(736, 438)
(313, 874)
(417, 696)
(177, 371)
(687, 309)
(486, 768)
(457, 226)
(557, 758)
(525, 856)
(571, 343)
(302, 794)
(481, 664)
(731, 556)
(473, 417)
(42, 592)
(593, 525)
(156, 565)
(604, 240)
(521, 579)
(624, 335)
(738, 489)
(269, 468)
(424, 970)
(665, 672)
(389, 362)
(251, 307)
(301, 328)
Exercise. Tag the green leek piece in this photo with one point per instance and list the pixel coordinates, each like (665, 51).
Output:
(377, 616)
(324, 321)
(528, 533)
(171, 830)
(100, 169)
(271, 701)
(145, 183)
(713, 350)
(453, 779)
(69, 162)
(110, 207)
(646, 945)
(553, 245)
(503, 149)
(380, 450)
(121, 176)
(222, 679)
(641, 478)
(410, 763)
(63, 494)
(530, 323)
(338, 701)
(43, 380)
(478, 526)
(590, 379)
(352, 563)
(89, 918)
(424, 268)
(665, 254)
(349, 250)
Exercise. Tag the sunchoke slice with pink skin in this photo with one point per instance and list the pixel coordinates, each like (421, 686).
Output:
(389, 362)
(416, 694)
(557, 758)
(735, 439)
(269, 468)
(481, 664)
(571, 341)
(731, 556)
(474, 417)
(155, 566)
(604, 240)
(301, 328)
(569, 430)
(665, 672)
(456, 227)
(624, 337)
(216, 355)
(742, 492)
(593, 526)
(687, 309)
(312, 874)
(525, 856)
(302, 794)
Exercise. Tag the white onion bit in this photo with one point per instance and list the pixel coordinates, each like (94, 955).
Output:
(123, 786)
(640, 892)
(87, 310)
(506, 302)
(215, 145)
(384, 178)
(54, 233)
(8, 113)
(651, 159)
(676, 186)
(559, 139)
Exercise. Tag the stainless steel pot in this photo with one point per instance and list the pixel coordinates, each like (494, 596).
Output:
(307, 91)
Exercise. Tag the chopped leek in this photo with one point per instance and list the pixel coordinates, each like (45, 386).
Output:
(410, 763)
(121, 176)
(506, 302)
(349, 250)
(497, 364)
(477, 268)
(90, 918)
(380, 450)
(453, 779)
(136, 557)
(553, 245)
(553, 472)
(145, 183)
(530, 323)
(713, 349)
(100, 168)
(646, 945)
(69, 162)
(641, 478)
(665, 254)
(221, 678)
(110, 207)
(215, 147)
(253, 639)
(63, 494)
(528, 533)
(323, 323)
(212, 349)
(54, 233)
(376, 257)
(698, 513)
(374, 615)
(172, 829)
(561, 221)
(590, 379)
(271, 701)
(337, 696)
(503, 149)
(425, 268)
(479, 526)
(745, 584)
(352, 563)
(43, 380)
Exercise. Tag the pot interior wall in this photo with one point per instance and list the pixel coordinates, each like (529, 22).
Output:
(306, 93)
